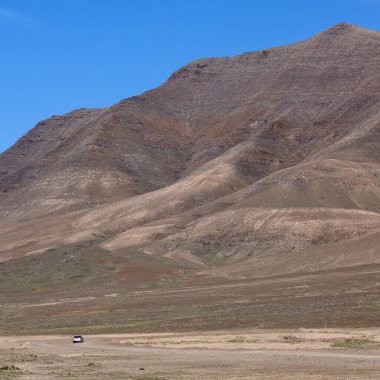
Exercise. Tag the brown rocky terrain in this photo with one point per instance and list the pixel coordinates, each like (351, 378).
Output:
(237, 168)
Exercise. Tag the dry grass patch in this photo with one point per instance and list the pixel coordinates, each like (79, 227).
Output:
(238, 339)
(356, 343)
(292, 339)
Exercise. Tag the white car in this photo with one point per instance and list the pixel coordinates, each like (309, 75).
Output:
(78, 339)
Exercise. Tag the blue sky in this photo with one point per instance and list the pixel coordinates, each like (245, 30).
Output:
(58, 55)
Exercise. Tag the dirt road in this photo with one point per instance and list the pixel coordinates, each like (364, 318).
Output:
(188, 356)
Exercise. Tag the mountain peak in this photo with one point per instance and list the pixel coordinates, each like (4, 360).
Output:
(344, 34)
(345, 25)
(344, 28)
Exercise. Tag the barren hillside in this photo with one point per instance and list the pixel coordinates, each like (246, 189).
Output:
(262, 164)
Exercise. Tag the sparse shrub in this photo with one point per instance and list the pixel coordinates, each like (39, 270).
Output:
(291, 339)
(5, 368)
(148, 377)
(353, 343)
(238, 339)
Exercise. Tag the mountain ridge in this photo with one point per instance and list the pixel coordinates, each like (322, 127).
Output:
(288, 135)
(243, 192)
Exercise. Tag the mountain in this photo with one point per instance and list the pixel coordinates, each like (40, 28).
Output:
(262, 164)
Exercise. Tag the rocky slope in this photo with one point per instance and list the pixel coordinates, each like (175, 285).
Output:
(261, 163)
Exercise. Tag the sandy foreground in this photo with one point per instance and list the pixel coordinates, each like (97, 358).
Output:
(245, 354)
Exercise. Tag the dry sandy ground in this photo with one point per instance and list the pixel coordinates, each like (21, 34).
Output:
(245, 354)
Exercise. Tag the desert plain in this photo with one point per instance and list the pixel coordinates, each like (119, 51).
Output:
(245, 354)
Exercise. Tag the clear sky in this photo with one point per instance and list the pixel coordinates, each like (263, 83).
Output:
(58, 55)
